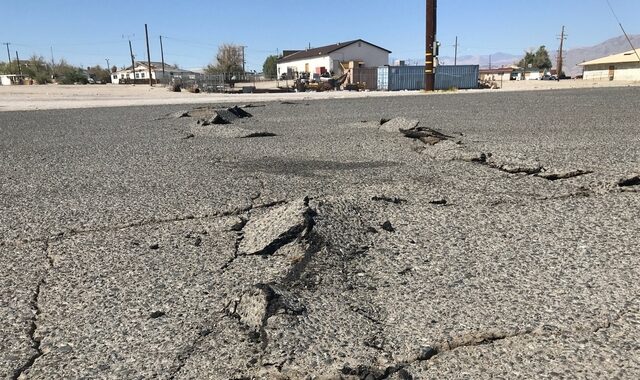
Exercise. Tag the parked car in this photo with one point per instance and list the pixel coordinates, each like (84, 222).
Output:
(549, 77)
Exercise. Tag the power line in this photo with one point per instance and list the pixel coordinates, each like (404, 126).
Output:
(623, 31)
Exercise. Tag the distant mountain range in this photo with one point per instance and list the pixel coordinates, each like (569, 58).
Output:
(615, 45)
(572, 57)
(493, 60)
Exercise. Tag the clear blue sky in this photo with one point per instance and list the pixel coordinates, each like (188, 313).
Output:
(87, 32)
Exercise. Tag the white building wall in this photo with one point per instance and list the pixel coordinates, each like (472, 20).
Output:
(622, 71)
(363, 52)
(299, 66)
(359, 51)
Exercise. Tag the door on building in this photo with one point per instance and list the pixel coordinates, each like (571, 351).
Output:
(612, 72)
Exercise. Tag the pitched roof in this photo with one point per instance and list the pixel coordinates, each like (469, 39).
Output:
(157, 65)
(627, 56)
(323, 50)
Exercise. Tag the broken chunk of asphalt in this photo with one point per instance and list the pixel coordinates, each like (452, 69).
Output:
(426, 135)
(383, 198)
(239, 112)
(633, 181)
(268, 232)
(216, 119)
(256, 305)
(154, 246)
(387, 226)
(440, 202)
(208, 116)
(397, 124)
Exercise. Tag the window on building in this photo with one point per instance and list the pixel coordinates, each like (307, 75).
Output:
(115, 77)
(137, 75)
(142, 75)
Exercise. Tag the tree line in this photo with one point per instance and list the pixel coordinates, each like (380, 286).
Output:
(42, 71)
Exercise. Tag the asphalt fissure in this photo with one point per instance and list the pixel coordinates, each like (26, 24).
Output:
(33, 326)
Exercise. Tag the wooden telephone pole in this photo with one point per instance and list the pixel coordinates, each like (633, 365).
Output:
(560, 53)
(430, 55)
(146, 33)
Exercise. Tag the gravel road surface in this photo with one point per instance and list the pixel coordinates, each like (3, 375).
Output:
(313, 241)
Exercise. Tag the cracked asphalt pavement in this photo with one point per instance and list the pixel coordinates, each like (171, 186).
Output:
(488, 235)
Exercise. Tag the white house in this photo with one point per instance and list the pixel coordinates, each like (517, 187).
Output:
(623, 66)
(141, 73)
(329, 58)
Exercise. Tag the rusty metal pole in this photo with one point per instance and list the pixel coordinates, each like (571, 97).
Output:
(429, 68)
(146, 33)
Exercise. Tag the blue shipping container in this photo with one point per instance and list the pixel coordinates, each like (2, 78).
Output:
(399, 78)
(462, 77)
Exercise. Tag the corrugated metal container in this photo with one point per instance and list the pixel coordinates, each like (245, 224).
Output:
(383, 78)
(462, 77)
(366, 76)
(398, 78)
(406, 78)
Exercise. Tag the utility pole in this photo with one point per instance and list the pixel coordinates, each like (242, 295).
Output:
(244, 62)
(133, 65)
(429, 69)
(455, 59)
(146, 33)
(108, 66)
(18, 62)
(490, 56)
(8, 54)
(560, 58)
(53, 64)
(162, 57)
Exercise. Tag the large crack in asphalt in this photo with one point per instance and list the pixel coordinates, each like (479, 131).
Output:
(253, 308)
(37, 311)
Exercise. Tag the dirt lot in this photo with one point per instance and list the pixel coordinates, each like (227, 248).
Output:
(17, 98)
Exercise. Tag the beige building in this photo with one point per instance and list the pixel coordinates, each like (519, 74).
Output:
(624, 66)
